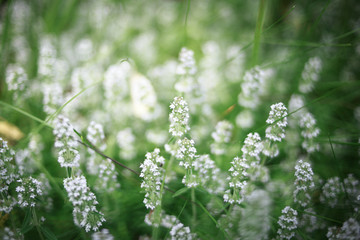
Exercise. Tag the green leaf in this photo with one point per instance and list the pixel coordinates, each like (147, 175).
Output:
(48, 234)
(26, 226)
(213, 219)
(180, 191)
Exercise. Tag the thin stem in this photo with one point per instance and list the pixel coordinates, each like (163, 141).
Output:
(36, 223)
(157, 210)
(258, 29)
(193, 199)
(230, 210)
(155, 232)
(104, 156)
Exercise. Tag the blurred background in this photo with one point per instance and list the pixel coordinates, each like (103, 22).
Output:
(58, 48)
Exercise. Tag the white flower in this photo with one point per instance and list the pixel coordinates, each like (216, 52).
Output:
(28, 190)
(309, 131)
(310, 74)
(187, 62)
(288, 223)
(237, 181)
(278, 120)
(152, 174)
(331, 191)
(126, 139)
(252, 87)
(96, 135)
(180, 232)
(144, 99)
(84, 201)
(221, 136)
(116, 81)
(350, 230)
(252, 146)
(104, 234)
(179, 117)
(69, 157)
(16, 78)
(186, 153)
(8, 170)
(303, 183)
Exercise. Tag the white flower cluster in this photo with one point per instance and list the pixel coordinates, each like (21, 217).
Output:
(334, 191)
(255, 220)
(103, 235)
(116, 81)
(152, 174)
(7, 203)
(251, 88)
(237, 181)
(187, 62)
(278, 120)
(106, 180)
(276, 131)
(8, 234)
(8, 171)
(252, 147)
(29, 190)
(351, 185)
(84, 49)
(65, 141)
(303, 183)
(84, 201)
(53, 97)
(143, 97)
(209, 174)
(350, 230)
(186, 70)
(16, 78)
(179, 117)
(310, 74)
(221, 136)
(95, 134)
(309, 132)
(104, 169)
(245, 119)
(126, 139)
(186, 153)
(296, 102)
(331, 191)
(47, 58)
(251, 150)
(288, 223)
(178, 230)
(310, 222)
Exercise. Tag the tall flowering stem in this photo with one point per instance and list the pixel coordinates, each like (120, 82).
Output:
(84, 201)
(309, 131)
(288, 223)
(303, 183)
(186, 153)
(152, 173)
(153, 182)
(237, 181)
(276, 131)
(65, 141)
